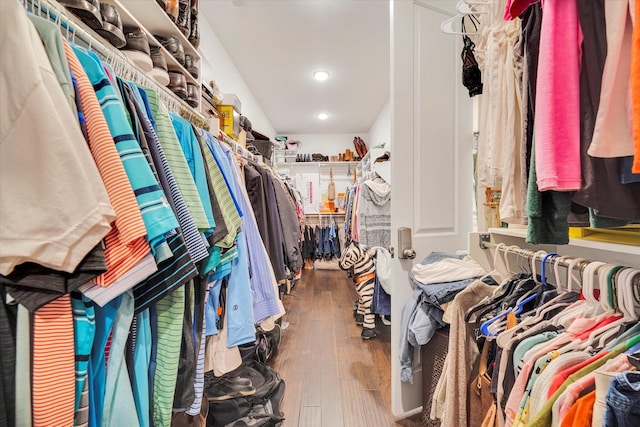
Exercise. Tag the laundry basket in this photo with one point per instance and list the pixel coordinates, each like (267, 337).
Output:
(432, 356)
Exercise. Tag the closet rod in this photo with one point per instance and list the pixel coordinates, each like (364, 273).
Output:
(73, 30)
(485, 243)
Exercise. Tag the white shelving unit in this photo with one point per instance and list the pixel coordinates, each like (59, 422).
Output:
(312, 178)
(155, 19)
(367, 166)
(152, 19)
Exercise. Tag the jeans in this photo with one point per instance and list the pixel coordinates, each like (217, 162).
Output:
(623, 401)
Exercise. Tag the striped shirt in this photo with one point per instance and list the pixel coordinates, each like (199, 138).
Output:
(198, 384)
(53, 370)
(171, 274)
(222, 193)
(175, 158)
(84, 327)
(156, 212)
(193, 155)
(102, 295)
(126, 244)
(170, 312)
(193, 239)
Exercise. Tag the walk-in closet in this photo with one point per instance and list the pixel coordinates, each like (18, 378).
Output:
(319, 213)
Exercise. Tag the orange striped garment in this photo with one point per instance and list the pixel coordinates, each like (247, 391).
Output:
(53, 370)
(126, 244)
(635, 88)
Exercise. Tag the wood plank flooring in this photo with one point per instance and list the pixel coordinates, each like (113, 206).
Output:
(333, 377)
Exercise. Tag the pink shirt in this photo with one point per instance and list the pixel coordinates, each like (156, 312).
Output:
(557, 124)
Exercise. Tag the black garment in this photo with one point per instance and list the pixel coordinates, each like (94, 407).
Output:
(8, 317)
(288, 217)
(276, 248)
(601, 186)
(172, 273)
(319, 242)
(309, 245)
(185, 391)
(531, 21)
(33, 285)
(255, 189)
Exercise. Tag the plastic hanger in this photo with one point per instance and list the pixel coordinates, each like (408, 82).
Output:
(484, 328)
(540, 293)
(626, 305)
(491, 327)
(553, 303)
(447, 25)
(575, 310)
(467, 8)
(482, 304)
(593, 309)
(606, 292)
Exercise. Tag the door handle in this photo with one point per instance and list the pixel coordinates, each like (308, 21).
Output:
(408, 254)
(405, 251)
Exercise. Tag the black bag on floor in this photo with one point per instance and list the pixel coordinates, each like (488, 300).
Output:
(265, 346)
(259, 409)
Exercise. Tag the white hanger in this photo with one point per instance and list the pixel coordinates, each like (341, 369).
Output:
(566, 317)
(467, 8)
(538, 316)
(593, 309)
(447, 25)
(626, 305)
(604, 287)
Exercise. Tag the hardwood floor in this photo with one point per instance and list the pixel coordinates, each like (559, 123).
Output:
(333, 377)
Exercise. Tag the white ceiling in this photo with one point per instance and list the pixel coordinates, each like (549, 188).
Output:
(277, 44)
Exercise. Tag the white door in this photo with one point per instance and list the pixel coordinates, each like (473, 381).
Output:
(431, 128)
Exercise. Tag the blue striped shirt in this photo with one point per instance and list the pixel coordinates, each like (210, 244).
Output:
(157, 215)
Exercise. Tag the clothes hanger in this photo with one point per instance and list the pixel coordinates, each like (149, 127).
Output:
(574, 310)
(625, 303)
(447, 26)
(494, 326)
(504, 287)
(560, 293)
(606, 291)
(466, 8)
(484, 328)
(538, 292)
(593, 310)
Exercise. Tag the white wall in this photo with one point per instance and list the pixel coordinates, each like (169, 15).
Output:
(327, 144)
(380, 132)
(217, 65)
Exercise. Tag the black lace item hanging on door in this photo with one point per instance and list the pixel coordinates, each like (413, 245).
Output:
(471, 75)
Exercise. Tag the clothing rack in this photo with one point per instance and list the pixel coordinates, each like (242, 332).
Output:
(484, 241)
(239, 149)
(76, 31)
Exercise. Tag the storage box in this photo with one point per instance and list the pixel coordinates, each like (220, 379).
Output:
(232, 99)
(230, 120)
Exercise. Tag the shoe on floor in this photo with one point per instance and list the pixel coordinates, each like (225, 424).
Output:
(359, 319)
(368, 333)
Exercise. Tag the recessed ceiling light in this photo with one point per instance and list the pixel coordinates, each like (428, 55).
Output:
(323, 116)
(321, 75)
